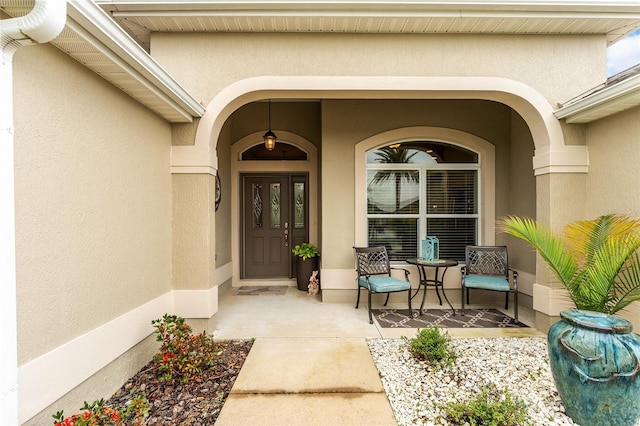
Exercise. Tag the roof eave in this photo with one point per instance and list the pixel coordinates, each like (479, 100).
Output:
(96, 27)
(603, 103)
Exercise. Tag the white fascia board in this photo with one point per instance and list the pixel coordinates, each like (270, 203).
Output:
(587, 109)
(99, 24)
(579, 6)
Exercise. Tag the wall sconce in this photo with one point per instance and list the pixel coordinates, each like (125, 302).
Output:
(269, 137)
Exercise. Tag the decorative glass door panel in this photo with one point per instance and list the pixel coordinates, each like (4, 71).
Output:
(268, 234)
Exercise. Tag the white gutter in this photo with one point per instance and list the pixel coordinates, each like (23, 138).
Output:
(97, 28)
(602, 103)
(41, 25)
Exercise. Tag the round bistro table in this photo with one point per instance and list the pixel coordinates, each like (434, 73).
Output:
(437, 281)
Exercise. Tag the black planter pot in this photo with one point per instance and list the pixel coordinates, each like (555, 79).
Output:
(304, 269)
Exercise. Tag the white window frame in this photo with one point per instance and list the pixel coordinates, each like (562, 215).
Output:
(422, 214)
(486, 177)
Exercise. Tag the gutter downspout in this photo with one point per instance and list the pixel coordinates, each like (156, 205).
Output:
(45, 21)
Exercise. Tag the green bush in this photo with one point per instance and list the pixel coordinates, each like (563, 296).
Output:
(491, 407)
(97, 414)
(432, 346)
(183, 355)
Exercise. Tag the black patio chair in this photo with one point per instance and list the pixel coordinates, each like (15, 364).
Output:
(487, 268)
(374, 275)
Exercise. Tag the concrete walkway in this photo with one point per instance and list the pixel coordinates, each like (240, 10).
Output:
(310, 363)
(308, 381)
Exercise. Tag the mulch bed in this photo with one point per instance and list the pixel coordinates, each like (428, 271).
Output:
(197, 402)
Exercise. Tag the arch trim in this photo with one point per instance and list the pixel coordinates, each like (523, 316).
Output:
(551, 154)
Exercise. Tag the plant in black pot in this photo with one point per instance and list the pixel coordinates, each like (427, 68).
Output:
(306, 262)
(593, 354)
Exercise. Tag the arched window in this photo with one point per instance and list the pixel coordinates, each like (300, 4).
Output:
(422, 188)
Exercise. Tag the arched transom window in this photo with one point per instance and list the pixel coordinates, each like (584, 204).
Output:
(422, 188)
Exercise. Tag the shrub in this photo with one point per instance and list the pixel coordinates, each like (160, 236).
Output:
(491, 407)
(432, 346)
(97, 414)
(183, 355)
(305, 251)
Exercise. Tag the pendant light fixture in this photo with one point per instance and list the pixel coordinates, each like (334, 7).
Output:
(269, 137)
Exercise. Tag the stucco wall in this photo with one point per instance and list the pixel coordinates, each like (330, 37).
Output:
(557, 66)
(193, 231)
(521, 194)
(301, 118)
(347, 122)
(93, 201)
(223, 214)
(613, 180)
(546, 63)
(613, 176)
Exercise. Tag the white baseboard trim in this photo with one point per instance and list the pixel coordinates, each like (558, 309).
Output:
(47, 378)
(44, 380)
(526, 281)
(337, 279)
(550, 301)
(224, 273)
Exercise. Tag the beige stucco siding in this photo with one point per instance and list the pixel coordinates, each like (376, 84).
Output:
(559, 67)
(345, 123)
(614, 162)
(223, 253)
(521, 193)
(93, 201)
(193, 249)
(301, 118)
(614, 178)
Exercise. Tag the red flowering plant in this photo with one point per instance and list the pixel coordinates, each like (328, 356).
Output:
(97, 414)
(183, 356)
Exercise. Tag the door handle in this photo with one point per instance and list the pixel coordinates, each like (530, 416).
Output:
(286, 236)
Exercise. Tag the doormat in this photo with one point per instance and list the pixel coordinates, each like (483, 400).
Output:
(473, 318)
(274, 290)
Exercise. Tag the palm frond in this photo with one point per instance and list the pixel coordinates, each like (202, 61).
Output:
(626, 288)
(597, 260)
(549, 245)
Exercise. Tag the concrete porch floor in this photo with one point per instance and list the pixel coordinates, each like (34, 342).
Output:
(298, 314)
(310, 363)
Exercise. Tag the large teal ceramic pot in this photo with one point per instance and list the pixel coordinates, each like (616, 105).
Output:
(595, 362)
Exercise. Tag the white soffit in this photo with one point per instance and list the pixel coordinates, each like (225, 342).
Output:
(92, 38)
(614, 18)
(111, 37)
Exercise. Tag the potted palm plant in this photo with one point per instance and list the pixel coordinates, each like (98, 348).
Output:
(593, 354)
(306, 262)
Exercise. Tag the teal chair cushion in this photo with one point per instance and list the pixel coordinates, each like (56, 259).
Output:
(487, 282)
(384, 284)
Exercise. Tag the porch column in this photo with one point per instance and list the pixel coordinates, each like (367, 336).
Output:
(561, 198)
(195, 292)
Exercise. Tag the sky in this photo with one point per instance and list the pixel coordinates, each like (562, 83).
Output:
(623, 54)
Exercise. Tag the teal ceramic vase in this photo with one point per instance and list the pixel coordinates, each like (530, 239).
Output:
(595, 362)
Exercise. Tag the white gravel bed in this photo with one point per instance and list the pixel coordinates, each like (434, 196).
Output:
(417, 391)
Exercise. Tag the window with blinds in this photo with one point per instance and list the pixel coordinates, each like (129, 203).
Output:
(420, 188)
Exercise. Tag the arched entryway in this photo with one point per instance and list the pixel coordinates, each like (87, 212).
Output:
(550, 156)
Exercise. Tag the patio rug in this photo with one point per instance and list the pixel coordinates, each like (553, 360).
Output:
(473, 318)
(274, 290)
